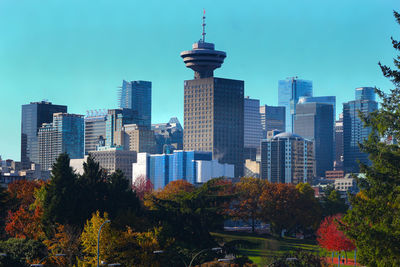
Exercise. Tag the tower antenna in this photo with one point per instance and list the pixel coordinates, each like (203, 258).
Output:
(204, 25)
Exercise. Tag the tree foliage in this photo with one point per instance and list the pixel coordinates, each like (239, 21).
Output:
(247, 204)
(21, 252)
(374, 220)
(142, 187)
(332, 203)
(331, 238)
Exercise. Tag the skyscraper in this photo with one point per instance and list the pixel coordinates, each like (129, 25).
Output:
(289, 92)
(272, 118)
(64, 135)
(136, 95)
(252, 128)
(287, 158)
(95, 130)
(33, 116)
(338, 164)
(320, 99)
(353, 128)
(116, 119)
(213, 107)
(314, 121)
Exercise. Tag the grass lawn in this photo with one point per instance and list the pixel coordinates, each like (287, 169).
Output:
(263, 247)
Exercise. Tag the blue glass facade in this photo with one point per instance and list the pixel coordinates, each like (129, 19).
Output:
(71, 129)
(353, 128)
(289, 92)
(177, 166)
(136, 95)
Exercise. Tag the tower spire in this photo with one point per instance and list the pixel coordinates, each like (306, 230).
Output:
(204, 25)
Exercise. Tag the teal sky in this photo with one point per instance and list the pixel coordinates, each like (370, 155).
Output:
(77, 52)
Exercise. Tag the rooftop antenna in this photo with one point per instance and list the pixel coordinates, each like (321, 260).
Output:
(204, 25)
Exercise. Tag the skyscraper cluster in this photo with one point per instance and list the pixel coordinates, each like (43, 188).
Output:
(224, 133)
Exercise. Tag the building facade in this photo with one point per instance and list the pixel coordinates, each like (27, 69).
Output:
(338, 164)
(33, 116)
(252, 128)
(314, 121)
(136, 95)
(64, 135)
(287, 158)
(113, 159)
(272, 118)
(95, 130)
(353, 128)
(192, 166)
(213, 107)
(289, 92)
(116, 119)
(139, 138)
(169, 136)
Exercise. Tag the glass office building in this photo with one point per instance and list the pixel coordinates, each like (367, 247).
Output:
(33, 116)
(289, 92)
(353, 128)
(136, 95)
(252, 128)
(272, 118)
(64, 135)
(314, 121)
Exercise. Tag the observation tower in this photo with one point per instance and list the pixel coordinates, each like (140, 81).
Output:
(203, 59)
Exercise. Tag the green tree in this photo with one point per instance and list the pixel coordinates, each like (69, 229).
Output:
(20, 252)
(332, 203)
(60, 200)
(374, 220)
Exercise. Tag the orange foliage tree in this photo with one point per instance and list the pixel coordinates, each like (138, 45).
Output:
(247, 205)
(173, 188)
(24, 220)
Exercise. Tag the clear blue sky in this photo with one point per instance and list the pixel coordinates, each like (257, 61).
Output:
(78, 52)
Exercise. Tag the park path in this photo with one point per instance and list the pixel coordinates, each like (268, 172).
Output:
(350, 262)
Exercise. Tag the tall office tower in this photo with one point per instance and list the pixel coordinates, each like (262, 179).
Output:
(272, 118)
(116, 119)
(64, 135)
(287, 158)
(169, 136)
(353, 128)
(95, 130)
(136, 95)
(320, 99)
(289, 92)
(33, 116)
(138, 138)
(314, 121)
(213, 108)
(252, 128)
(338, 164)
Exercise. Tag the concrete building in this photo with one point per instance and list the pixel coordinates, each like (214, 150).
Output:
(334, 174)
(272, 118)
(169, 136)
(95, 130)
(112, 159)
(116, 119)
(64, 135)
(136, 95)
(287, 158)
(192, 166)
(353, 128)
(213, 107)
(289, 92)
(33, 116)
(345, 185)
(139, 138)
(314, 121)
(252, 128)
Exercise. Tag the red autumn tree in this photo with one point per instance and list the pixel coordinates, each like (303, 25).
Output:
(24, 220)
(331, 238)
(142, 186)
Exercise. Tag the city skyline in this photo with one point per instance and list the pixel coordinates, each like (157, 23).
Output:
(60, 81)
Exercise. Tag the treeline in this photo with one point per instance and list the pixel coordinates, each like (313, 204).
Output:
(62, 216)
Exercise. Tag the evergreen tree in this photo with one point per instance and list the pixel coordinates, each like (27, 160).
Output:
(374, 220)
(60, 200)
(332, 203)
